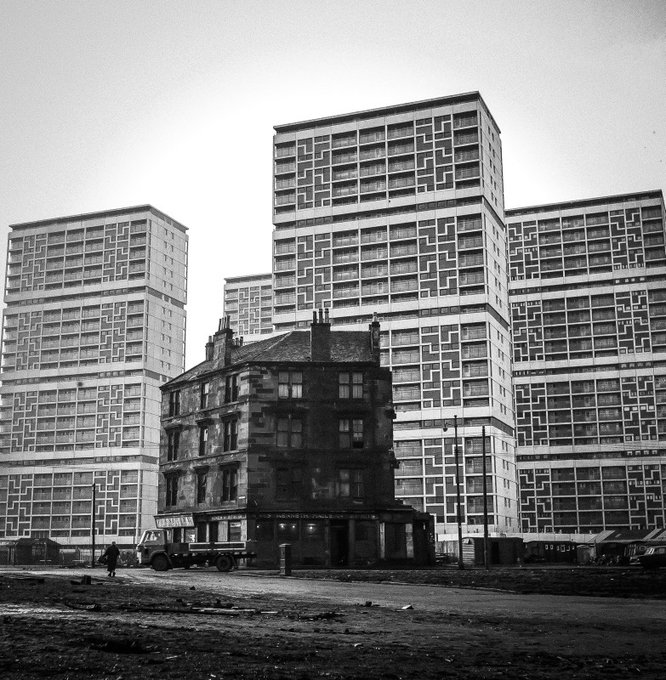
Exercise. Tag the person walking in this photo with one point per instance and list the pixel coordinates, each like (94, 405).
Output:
(111, 555)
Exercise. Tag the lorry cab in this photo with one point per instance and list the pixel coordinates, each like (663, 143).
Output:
(152, 536)
(151, 541)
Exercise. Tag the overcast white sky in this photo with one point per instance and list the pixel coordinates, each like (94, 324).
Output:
(110, 104)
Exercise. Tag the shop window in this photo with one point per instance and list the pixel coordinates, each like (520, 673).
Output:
(287, 531)
(264, 530)
(234, 531)
(313, 531)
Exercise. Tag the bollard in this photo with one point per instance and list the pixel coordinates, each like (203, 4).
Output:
(285, 559)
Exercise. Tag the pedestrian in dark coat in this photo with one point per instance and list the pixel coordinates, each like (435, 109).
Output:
(111, 556)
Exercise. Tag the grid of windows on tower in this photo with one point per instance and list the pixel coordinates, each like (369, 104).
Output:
(85, 334)
(454, 255)
(59, 260)
(72, 419)
(590, 377)
(61, 503)
(392, 160)
(249, 308)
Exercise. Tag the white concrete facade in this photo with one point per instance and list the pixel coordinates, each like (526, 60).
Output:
(398, 212)
(94, 323)
(588, 297)
(248, 302)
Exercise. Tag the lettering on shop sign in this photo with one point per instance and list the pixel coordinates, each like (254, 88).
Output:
(174, 522)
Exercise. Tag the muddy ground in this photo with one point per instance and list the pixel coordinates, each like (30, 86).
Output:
(56, 626)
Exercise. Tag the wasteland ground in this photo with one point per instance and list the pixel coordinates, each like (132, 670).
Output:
(506, 623)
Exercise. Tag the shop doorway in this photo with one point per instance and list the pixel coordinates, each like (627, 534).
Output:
(339, 544)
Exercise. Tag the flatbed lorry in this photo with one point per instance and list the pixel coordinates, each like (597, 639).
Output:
(155, 549)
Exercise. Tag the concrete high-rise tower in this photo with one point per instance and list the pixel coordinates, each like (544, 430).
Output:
(94, 324)
(398, 212)
(588, 297)
(248, 302)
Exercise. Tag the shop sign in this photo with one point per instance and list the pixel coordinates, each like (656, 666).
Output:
(174, 521)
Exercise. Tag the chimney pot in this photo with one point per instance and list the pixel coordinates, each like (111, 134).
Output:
(320, 338)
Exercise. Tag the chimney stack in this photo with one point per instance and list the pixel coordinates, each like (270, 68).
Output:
(320, 336)
(374, 338)
(222, 344)
(209, 348)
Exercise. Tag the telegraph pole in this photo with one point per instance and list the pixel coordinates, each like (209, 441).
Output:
(92, 528)
(486, 561)
(458, 516)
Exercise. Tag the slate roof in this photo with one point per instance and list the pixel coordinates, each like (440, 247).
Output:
(291, 347)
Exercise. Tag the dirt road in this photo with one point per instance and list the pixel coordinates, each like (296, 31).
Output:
(202, 624)
(395, 595)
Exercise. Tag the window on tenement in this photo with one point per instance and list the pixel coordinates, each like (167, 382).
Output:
(171, 490)
(174, 403)
(350, 385)
(204, 393)
(173, 445)
(229, 484)
(231, 388)
(289, 483)
(202, 481)
(350, 483)
(350, 432)
(203, 440)
(290, 432)
(230, 442)
(290, 384)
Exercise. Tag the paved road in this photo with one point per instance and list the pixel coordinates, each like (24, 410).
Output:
(394, 595)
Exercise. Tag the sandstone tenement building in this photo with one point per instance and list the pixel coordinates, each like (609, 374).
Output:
(288, 440)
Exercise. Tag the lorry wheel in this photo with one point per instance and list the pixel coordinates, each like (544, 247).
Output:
(160, 563)
(224, 563)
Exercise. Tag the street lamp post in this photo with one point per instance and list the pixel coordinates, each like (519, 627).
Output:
(458, 516)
